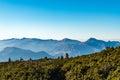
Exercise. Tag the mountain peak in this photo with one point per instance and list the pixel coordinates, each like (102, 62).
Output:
(66, 39)
(27, 38)
(92, 39)
(69, 41)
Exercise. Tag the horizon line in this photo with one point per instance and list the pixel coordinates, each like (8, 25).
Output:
(62, 39)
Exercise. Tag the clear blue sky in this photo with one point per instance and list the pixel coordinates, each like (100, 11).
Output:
(57, 19)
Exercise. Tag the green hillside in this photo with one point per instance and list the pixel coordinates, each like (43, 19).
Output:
(104, 65)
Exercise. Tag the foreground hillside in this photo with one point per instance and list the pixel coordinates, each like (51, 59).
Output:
(104, 65)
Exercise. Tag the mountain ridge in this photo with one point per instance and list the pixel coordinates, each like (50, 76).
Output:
(59, 47)
(17, 53)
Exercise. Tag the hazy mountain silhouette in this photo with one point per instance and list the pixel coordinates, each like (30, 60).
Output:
(17, 53)
(58, 47)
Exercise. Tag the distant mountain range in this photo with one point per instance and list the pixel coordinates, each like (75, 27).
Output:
(38, 48)
(17, 53)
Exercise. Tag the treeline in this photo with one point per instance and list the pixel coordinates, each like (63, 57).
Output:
(104, 65)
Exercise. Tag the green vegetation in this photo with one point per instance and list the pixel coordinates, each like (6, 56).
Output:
(104, 65)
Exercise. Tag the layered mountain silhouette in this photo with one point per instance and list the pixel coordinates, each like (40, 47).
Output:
(17, 53)
(31, 46)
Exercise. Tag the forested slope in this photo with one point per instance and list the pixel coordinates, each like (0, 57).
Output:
(104, 65)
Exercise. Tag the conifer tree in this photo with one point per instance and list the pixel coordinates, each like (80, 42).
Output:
(67, 56)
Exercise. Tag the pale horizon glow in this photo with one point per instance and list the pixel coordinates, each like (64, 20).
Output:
(51, 19)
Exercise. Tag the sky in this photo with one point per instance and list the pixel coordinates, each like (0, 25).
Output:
(58, 19)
